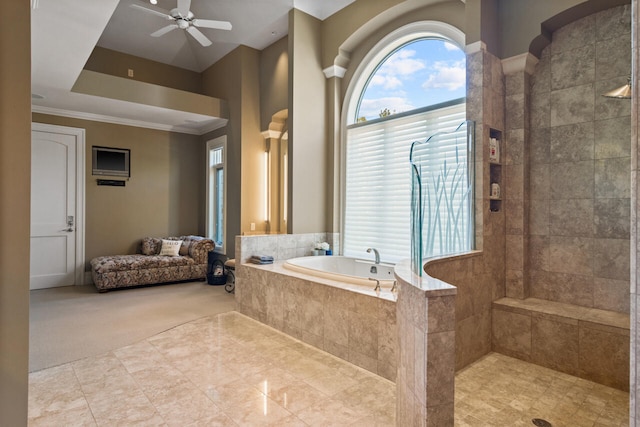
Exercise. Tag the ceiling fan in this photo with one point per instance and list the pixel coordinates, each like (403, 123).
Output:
(184, 19)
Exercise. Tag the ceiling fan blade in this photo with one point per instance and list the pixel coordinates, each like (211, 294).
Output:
(202, 39)
(153, 12)
(164, 30)
(183, 7)
(208, 23)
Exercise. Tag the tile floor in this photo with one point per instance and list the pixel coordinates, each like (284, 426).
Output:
(228, 370)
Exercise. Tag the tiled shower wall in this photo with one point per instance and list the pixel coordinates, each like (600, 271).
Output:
(579, 193)
(479, 277)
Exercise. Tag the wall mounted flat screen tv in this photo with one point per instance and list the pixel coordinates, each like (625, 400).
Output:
(111, 161)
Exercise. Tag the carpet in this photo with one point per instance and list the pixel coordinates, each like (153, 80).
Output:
(74, 322)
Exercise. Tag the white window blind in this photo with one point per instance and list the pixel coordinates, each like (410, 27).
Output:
(215, 196)
(378, 178)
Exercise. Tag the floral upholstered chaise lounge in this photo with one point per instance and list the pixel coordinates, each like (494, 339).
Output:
(151, 266)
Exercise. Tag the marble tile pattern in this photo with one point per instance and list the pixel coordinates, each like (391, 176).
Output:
(353, 323)
(502, 391)
(476, 289)
(283, 246)
(228, 370)
(225, 370)
(580, 162)
(585, 342)
(426, 351)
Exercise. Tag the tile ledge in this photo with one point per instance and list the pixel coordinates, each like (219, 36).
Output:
(585, 314)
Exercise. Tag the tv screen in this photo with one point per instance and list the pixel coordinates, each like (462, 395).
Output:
(111, 161)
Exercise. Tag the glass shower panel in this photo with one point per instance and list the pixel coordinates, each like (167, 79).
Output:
(442, 199)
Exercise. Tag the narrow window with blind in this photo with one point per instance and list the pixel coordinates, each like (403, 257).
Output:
(417, 91)
(216, 193)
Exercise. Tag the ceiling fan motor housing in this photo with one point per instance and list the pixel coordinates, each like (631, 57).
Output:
(175, 14)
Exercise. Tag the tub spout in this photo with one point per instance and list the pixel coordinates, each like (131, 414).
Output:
(377, 288)
(375, 253)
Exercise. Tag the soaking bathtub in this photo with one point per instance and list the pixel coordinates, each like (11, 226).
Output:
(344, 269)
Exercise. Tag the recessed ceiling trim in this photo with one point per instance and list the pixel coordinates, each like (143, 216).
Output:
(123, 89)
(128, 122)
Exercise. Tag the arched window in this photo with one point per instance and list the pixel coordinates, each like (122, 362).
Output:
(410, 87)
(418, 74)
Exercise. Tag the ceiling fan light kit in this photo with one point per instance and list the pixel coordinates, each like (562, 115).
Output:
(184, 19)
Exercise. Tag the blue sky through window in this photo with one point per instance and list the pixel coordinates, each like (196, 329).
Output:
(421, 73)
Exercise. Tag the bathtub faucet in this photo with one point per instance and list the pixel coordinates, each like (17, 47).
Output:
(376, 253)
(377, 288)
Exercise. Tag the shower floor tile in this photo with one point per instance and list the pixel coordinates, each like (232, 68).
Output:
(229, 370)
(498, 390)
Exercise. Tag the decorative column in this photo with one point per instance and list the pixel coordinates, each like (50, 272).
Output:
(334, 75)
(276, 141)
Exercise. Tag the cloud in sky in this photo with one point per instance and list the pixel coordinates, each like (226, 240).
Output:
(446, 75)
(371, 108)
(397, 67)
(425, 73)
(386, 80)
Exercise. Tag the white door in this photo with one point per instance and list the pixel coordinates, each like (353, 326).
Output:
(53, 208)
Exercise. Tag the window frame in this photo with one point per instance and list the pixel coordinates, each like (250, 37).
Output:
(211, 177)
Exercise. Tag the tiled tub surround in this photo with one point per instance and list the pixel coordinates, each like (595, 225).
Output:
(585, 342)
(282, 246)
(347, 320)
(358, 324)
(426, 350)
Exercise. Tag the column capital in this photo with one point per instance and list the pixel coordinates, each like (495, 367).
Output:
(334, 71)
(475, 47)
(524, 62)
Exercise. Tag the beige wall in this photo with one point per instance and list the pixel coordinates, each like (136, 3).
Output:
(274, 80)
(15, 160)
(163, 197)
(117, 64)
(307, 134)
(346, 29)
(223, 80)
(253, 146)
(236, 78)
(274, 98)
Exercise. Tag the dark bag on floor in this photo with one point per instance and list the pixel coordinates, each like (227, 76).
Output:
(216, 274)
